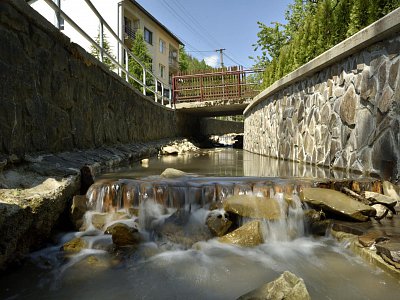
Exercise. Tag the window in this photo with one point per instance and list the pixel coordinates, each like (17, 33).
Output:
(162, 70)
(148, 36)
(162, 46)
(128, 23)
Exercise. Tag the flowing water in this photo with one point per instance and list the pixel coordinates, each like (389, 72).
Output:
(200, 268)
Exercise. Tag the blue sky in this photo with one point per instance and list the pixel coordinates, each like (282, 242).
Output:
(207, 25)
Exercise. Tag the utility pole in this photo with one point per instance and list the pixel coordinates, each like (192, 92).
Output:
(221, 56)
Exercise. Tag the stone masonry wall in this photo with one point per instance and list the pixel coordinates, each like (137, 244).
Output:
(345, 116)
(56, 97)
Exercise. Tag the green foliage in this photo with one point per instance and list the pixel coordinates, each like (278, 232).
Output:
(188, 63)
(183, 59)
(312, 28)
(139, 49)
(107, 48)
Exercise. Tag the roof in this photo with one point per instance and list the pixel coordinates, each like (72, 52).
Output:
(156, 21)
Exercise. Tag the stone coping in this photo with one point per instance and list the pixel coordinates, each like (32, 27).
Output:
(377, 31)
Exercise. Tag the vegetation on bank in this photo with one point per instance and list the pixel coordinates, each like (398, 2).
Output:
(313, 26)
(107, 48)
(188, 63)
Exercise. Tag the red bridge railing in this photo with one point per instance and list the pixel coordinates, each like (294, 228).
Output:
(219, 84)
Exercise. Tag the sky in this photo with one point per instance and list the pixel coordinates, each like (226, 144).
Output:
(206, 25)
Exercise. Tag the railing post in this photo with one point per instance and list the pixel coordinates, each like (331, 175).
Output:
(162, 93)
(239, 84)
(120, 49)
(126, 65)
(58, 16)
(144, 81)
(101, 41)
(155, 89)
(201, 88)
(170, 96)
(173, 90)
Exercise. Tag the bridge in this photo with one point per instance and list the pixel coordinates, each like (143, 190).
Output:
(217, 92)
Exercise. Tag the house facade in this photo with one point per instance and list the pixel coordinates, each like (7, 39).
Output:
(125, 17)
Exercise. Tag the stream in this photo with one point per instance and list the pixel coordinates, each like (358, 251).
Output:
(188, 267)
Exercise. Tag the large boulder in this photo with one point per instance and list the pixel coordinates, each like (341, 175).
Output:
(124, 235)
(287, 286)
(381, 211)
(381, 199)
(169, 150)
(172, 173)
(218, 222)
(372, 237)
(99, 220)
(74, 245)
(337, 203)
(249, 235)
(390, 252)
(78, 209)
(253, 207)
(178, 229)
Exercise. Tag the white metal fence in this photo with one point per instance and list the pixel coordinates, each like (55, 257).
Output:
(122, 69)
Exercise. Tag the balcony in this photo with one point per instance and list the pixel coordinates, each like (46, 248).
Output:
(173, 60)
(130, 33)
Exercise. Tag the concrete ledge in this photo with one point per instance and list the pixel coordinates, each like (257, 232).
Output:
(34, 195)
(366, 254)
(377, 31)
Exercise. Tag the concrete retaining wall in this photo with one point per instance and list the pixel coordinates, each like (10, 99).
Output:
(340, 110)
(209, 126)
(56, 97)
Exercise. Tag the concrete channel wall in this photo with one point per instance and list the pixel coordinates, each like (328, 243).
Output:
(341, 110)
(56, 97)
(210, 126)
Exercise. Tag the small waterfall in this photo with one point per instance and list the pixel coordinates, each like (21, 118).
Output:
(154, 200)
(291, 223)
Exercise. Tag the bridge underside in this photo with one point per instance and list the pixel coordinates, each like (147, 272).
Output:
(214, 108)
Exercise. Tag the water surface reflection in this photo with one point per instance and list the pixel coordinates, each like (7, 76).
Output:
(228, 162)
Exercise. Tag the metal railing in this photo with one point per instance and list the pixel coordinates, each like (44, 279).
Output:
(222, 84)
(130, 33)
(121, 68)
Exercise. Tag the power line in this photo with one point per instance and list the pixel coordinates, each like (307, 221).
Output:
(202, 51)
(209, 35)
(183, 21)
(188, 14)
(188, 24)
(233, 60)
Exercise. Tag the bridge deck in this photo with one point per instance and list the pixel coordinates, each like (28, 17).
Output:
(218, 92)
(214, 108)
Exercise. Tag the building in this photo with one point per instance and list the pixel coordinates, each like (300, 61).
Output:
(125, 18)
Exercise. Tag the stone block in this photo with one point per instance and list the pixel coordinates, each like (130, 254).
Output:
(368, 89)
(348, 107)
(393, 74)
(385, 100)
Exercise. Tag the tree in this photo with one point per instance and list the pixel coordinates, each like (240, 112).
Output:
(270, 40)
(188, 63)
(358, 16)
(183, 59)
(313, 26)
(107, 48)
(141, 53)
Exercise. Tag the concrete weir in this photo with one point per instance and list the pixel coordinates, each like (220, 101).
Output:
(340, 110)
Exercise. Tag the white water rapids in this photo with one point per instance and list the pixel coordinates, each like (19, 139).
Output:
(161, 269)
